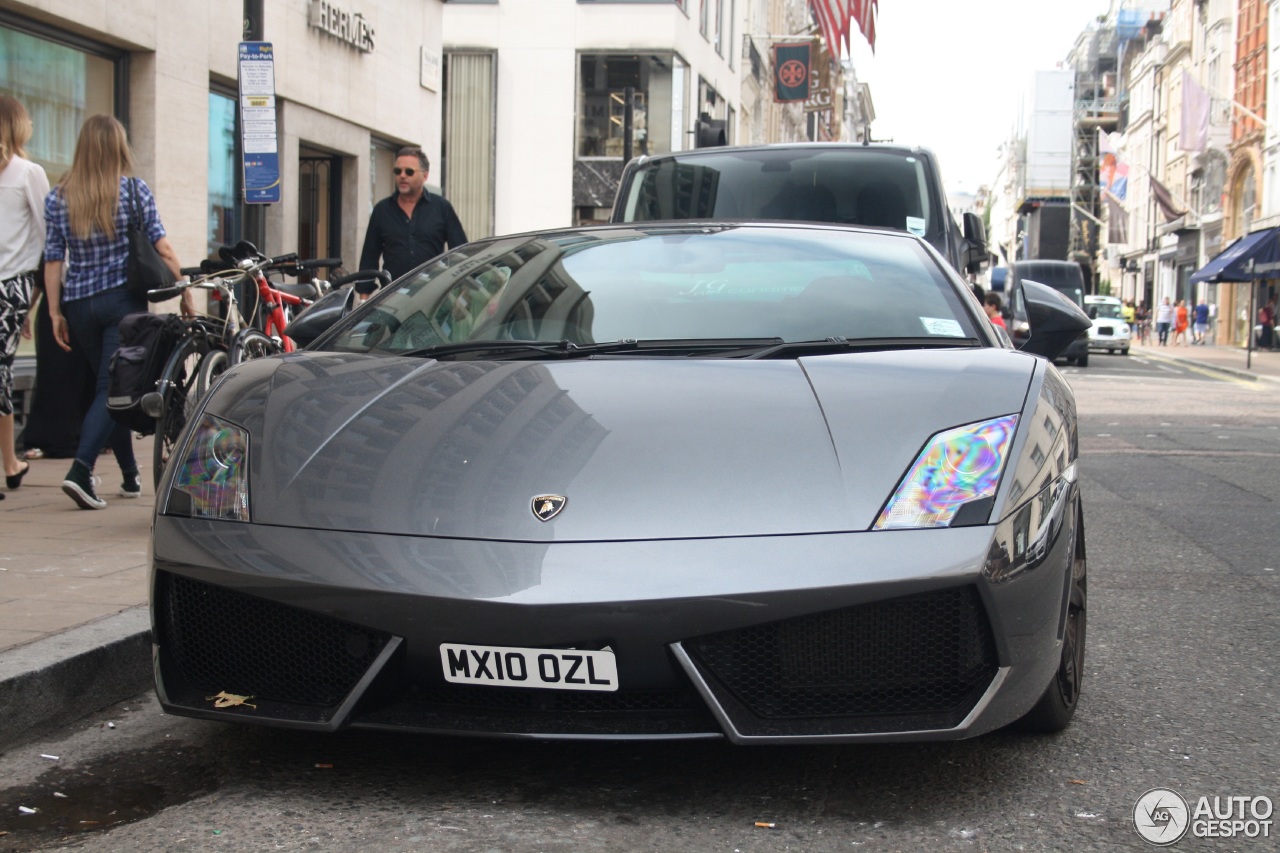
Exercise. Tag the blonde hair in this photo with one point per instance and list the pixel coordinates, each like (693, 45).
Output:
(91, 189)
(15, 129)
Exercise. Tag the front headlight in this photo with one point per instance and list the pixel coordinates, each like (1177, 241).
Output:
(212, 480)
(957, 467)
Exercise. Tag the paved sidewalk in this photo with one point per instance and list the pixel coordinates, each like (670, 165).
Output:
(74, 631)
(74, 627)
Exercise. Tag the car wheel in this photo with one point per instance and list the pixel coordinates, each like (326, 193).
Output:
(1124, 351)
(1083, 361)
(1057, 705)
(1111, 352)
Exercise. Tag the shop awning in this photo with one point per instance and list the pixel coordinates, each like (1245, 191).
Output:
(1232, 263)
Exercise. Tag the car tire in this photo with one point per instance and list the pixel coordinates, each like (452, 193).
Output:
(1057, 705)
(1083, 361)
(1124, 351)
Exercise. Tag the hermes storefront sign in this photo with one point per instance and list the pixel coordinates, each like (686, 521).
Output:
(350, 27)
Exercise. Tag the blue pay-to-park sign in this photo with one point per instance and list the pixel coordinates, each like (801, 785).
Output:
(261, 157)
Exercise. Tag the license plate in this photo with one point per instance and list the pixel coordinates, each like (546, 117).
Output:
(506, 666)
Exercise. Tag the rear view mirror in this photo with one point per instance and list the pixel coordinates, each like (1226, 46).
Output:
(975, 234)
(321, 314)
(1051, 319)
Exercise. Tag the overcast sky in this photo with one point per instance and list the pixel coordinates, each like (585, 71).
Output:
(950, 75)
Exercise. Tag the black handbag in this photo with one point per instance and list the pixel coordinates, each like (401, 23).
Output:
(146, 270)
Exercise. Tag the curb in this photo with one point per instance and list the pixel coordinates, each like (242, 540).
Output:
(1238, 372)
(64, 677)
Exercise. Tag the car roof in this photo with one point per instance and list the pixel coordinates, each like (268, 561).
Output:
(880, 147)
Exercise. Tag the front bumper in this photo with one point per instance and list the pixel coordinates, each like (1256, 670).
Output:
(897, 635)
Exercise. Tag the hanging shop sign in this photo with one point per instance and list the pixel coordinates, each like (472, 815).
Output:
(258, 143)
(790, 72)
(344, 25)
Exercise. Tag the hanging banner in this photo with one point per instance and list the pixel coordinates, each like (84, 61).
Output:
(819, 98)
(258, 145)
(791, 72)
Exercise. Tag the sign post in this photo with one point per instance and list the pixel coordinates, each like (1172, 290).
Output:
(258, 144)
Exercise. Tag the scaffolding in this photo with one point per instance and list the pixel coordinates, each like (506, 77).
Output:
(1095, 60)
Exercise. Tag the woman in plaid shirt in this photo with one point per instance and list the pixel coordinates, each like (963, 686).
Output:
(87, 216)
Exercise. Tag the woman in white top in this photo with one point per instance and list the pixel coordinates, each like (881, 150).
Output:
(23, 186)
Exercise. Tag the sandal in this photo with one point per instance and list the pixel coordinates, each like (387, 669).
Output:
(13, 482)
(33, 453)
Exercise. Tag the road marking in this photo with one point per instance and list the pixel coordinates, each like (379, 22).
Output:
(1207, 372)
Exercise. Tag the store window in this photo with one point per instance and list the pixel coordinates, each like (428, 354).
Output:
(602, 84)
(225, 217)
(60, 85)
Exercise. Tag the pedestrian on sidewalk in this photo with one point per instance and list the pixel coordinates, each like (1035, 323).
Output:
(411, 226)
(1164, 319)
(23, 186)
(1180, 324)
(1201, 330)
(87, 216)
(1267, 319)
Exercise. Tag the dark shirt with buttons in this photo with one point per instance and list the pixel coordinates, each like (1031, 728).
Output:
(404, 242)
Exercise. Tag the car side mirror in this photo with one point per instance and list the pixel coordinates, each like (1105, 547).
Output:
(975, 234)
(1093, 312)
(320, 315)
(1052, 320)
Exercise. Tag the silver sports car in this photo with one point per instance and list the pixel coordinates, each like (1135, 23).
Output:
(770, 483)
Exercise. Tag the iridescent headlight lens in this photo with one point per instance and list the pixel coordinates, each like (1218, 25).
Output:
(956, 467)
(214, 474)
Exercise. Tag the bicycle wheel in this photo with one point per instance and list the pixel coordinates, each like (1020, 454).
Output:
(213, 365)
(250, 344)
(178, 389)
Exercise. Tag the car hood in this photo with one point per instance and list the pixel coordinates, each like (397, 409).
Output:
(642, 448)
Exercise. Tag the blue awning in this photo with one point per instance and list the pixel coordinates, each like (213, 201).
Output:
(1232, 263)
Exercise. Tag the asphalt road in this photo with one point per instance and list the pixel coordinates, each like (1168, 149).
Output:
(1181, 477)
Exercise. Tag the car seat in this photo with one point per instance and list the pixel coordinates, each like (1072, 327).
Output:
(881, 204)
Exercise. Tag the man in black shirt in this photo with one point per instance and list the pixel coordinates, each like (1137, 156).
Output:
(411, 226)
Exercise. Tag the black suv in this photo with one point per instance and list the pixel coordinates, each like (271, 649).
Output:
(880, 185)
(1067, 278)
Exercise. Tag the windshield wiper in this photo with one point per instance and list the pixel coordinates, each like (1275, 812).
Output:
(553, 349)
(568, 349)
(838, 344)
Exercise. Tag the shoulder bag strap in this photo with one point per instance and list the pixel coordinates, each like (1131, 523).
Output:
(134, 213)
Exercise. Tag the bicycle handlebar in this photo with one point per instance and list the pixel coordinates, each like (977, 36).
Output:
(372, 278)
(317, 263)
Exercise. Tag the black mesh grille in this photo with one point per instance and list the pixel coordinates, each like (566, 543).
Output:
(567, 701)
(225, 640)
(916, 662)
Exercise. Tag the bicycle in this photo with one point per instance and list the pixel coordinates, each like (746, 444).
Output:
(211, 345)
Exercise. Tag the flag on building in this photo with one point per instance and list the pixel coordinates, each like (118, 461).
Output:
(791, 65)
(1117, 220)
(865, 12)
(1113, 173)
(1164, 200)
(1194, 132)
(829, 23)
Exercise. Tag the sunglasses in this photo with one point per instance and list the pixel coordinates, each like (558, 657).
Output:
(409, 172)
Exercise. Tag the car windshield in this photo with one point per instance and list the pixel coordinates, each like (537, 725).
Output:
(691, 286)
(859, 186)
(1105, 311)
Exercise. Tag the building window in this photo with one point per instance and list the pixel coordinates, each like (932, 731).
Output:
(1246, 196)
(602, 86)
(224, 174)
(60, 86)
(470, 138)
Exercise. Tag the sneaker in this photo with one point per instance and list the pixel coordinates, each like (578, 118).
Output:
(132, 485)
(79, 487)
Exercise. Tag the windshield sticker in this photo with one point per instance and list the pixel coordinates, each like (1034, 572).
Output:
(944, 328)
(915, 225)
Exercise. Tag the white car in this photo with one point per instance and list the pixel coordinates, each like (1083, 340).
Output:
(1109, 332)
